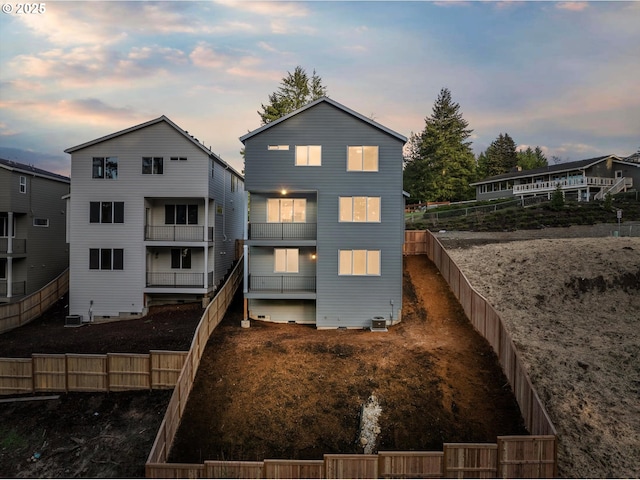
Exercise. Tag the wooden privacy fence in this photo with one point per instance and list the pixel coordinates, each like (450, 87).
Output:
(487, 322)
(213, 315)
(511, 457)
(112, 372)
(14, 315)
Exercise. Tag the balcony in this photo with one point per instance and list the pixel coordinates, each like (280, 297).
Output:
(17, 288)
(178, 233)
(19, 245)
(178, 279)
(282, 231)
(551, 185)
(281, 284)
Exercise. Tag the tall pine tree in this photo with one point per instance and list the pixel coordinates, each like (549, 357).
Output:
(500, 157)
(440, 164)
(531, 158)
(295, 91)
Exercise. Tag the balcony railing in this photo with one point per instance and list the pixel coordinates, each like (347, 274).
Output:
(282, 231)
(19, 245)
(281, 284)
(177, 279)
(564, 184)
(17, 288)
(178, 233)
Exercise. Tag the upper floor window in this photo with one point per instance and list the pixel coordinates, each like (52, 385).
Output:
(181, 258)
(152, 165)
(181, 214)
(278, 147)
(286, 260)
(234, 183)
(106, 259)
(23, 184)
(359, 262)
(40, 222)
(106, 212)
(4, 225)
(3, 268)
(183, 159)
(359, 209)
(105, 167)
(362, 159)
(308, 155)
(212, 164)
(286, 210)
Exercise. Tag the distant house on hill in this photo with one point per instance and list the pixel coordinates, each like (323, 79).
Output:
(583, 180)
(33, 247)
(154, 218)
(326, 230)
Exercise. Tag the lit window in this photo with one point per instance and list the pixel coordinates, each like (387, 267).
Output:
(278, 147)
(360, 209)
(286, 260)
(308, 155)
(106, 259)
(362, 159)
(359, 262)
(286, 210)
(152, 165)
(105, 167)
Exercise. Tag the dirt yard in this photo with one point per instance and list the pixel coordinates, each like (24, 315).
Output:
(573, 308)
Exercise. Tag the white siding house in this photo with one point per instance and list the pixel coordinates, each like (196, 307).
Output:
(154, 216)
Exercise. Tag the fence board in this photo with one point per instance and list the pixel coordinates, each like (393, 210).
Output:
(49, 372)
(165, 368)
(470, 460)
(87, 373)
(351, 466)
(174, 470)
(16, 375)
(222, 469)
(410, 464)
(128, 371)
(293, 469)
(527, 457)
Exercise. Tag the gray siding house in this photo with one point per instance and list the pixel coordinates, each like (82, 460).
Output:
(582, 181)
(326, 224)
(154, 217)
(33, 247)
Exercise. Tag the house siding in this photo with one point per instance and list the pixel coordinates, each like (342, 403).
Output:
(342, 301)
(123, 292)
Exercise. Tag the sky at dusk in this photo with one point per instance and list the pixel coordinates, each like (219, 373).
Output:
(564, 76)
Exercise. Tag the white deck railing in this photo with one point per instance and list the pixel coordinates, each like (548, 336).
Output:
(564, 184)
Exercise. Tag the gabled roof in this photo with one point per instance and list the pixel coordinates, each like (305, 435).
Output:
(31, 170)
(160, 119)
(330, 102)
(557, 168)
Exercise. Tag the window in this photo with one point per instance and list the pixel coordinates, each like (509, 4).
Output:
(286, 260)
(23, 184)
(211, 166)
(278, 147)
(40, 222)
(152, 165)
(181, 258)
(308, 155)
(182, 159)
(105, 167)
(362, 159)
(234, 183)
(106, 212)
(286, 210)
(106, 259)
(359, 262)
(360, 209)
(4, 225)
(3, 268)
(181, 214)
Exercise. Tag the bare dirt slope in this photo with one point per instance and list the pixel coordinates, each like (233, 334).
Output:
(291, 391)
(573, 308)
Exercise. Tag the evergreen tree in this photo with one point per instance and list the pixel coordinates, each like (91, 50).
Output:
(531, 158)
(295, 91)
(500, 157)
(440, 164)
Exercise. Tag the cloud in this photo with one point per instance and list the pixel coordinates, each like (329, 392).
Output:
(268, 9)
(5, 131)
(577, 6)
(204, 56)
